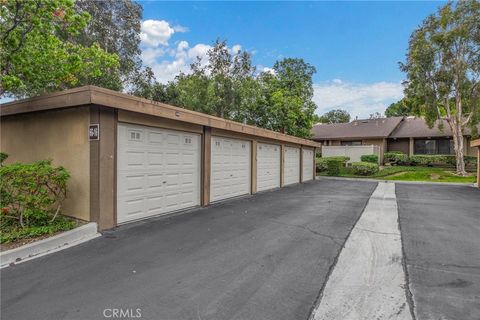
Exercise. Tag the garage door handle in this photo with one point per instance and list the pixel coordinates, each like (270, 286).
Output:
(231, 175)
(164, 182)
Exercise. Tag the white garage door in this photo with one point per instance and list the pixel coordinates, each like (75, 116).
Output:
(268, 166)
(291, 172)
(158, 171)
(230, 168)
(307, 168)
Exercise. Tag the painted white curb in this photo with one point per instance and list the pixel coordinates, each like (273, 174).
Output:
(46, 246)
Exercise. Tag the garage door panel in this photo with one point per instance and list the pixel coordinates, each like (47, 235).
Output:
(268, 166)
(230, 168)
(158, 173)
(291, 165)
(307, 166)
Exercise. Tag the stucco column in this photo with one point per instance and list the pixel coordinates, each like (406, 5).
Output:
(478, 166)
(206, 165)
(410, 147)
(254, 167)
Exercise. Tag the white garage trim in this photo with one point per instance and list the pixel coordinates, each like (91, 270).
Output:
(268, 166)
(291, 166)
(307, 165)
(158, 171)
(230, 168)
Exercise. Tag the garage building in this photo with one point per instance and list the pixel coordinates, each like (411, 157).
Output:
(132, 158)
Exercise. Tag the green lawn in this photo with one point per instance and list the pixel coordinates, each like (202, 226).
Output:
(411, 173)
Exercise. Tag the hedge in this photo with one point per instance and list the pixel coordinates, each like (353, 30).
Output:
(31, 194)
(426, 159)
(333, 165)
(364, 168)
(372, 158)
(396, 158)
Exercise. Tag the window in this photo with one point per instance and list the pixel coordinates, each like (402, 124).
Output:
(351, 143)
(433, 146)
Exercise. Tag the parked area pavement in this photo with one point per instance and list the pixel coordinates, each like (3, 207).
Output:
(261, 257)
(368, 281)
(440, 228)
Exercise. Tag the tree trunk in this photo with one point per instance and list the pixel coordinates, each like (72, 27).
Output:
(456, 127)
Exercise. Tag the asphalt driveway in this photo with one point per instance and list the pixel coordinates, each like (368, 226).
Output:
(440, 226)
(260, 257)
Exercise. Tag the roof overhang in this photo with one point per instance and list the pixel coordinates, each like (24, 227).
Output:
(88, 95)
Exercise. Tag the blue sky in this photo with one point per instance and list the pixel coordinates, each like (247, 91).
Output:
(355, 46)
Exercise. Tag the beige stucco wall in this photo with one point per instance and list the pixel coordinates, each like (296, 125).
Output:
(58, 135)
(470, 151)
(381, 143)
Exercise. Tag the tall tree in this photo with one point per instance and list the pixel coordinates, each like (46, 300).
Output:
(335, 116)
(290, 106)
(401, 108)
(443, 69)
(38, 51)
(115, 25)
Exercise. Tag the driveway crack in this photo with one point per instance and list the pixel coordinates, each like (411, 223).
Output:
(379, 232)
(333, 239)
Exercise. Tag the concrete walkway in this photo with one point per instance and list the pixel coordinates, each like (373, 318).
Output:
(368, 281)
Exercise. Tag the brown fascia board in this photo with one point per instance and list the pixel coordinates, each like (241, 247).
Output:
(109, 98)
(349, 138)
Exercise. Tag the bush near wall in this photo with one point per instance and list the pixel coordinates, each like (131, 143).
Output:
(31, 199)
(395, 158)
(426, 160)
(372, 158)
(322, 163)
(364, 168)
(333, 165)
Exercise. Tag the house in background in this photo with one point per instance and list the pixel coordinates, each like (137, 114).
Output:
(410, 135)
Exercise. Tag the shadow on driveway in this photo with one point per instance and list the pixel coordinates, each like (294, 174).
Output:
(259, 257)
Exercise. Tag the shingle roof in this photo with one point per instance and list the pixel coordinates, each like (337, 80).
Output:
(418, 128)
(371, 128)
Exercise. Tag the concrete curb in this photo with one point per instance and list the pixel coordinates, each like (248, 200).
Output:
(49, 245)
(396, 181)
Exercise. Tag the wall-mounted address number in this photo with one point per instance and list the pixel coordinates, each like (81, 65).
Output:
(94, 132)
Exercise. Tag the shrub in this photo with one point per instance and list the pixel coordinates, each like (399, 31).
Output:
(439, 160)
(396, 158)
(342, 159)
(364, 168)
(3, 157)
(32, 194)
(372, 158)
(333, 165)
(321, 164)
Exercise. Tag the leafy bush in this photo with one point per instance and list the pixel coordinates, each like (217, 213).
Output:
(321, 164)
(372, 158)
(395, 158)
(364, 168)
(342, 159)
(11, 233)
(439, 160)
(3, 157)
(333, 165)
(32, 194)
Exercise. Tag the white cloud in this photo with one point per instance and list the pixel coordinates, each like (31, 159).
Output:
(180, 57)
(268, 70)
(156, 32)
(179, 28)
(357, 98)
(236, 48)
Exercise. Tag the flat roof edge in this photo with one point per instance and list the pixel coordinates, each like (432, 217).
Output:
(109, 98)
